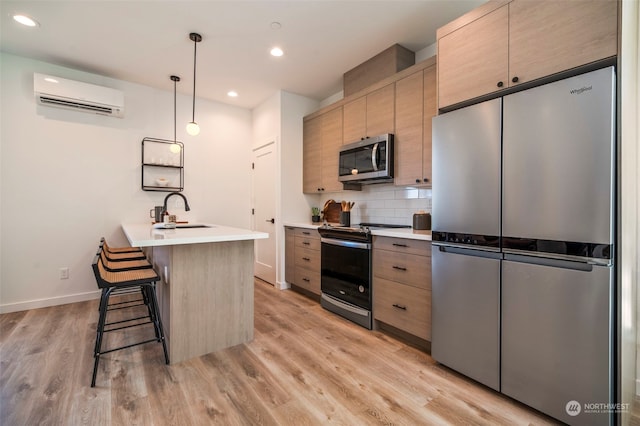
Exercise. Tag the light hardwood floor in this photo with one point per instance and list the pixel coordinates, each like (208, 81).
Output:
(305, 366)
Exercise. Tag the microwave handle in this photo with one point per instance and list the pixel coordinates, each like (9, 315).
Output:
(374, 157)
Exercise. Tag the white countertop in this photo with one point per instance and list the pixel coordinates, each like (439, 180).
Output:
(144, 235)
(388, 232)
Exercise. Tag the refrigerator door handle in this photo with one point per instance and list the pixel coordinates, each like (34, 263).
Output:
(554, 263)
(486, 252)
(560, 257)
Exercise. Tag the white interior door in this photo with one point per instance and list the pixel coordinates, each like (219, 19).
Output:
(264, 211)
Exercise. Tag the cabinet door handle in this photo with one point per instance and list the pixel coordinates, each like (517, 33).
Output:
(514, 79)
(395, 305)
(306, 258)
(425, 180)
(306, 280)
(306, 243)
(306, 233)
(500, 84)
(400, 245)
(399, 268)
(417, 180)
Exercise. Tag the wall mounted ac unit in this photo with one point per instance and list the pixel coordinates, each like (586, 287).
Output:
(62, 93)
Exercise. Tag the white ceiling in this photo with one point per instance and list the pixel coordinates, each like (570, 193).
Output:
(147, 41)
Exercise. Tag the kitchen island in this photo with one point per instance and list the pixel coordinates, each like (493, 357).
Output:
(206, 288)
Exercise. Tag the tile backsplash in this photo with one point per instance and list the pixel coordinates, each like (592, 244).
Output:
(384, 203)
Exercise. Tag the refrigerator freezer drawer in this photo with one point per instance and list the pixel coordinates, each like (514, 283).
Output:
(466, 313)
(556, 338)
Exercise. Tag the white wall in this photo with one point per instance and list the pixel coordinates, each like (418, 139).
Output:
(67, 178)
(279, 118)
(629, 267)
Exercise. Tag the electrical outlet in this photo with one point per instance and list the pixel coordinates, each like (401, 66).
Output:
(64, 273)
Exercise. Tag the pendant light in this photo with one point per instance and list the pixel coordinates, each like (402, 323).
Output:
(175, 147)
(192, 127)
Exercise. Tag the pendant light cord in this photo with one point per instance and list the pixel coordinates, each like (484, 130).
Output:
(175, 80)
(195, 48)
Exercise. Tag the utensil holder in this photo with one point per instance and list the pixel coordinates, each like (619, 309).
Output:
(345, 218)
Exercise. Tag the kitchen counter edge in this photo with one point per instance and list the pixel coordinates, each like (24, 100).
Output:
(390, 232)
(143, 235)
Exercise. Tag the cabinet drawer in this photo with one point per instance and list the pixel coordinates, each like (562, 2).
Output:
(404, 307)
(307, 242)
(308, 259)
(407, 269)
(403, 245)
(309, 280)
(307, 233)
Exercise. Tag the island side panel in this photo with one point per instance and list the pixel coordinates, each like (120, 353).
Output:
(211, 297)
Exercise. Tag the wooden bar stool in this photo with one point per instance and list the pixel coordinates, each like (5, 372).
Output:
(121, 253)
(127, 249)
(143, 280)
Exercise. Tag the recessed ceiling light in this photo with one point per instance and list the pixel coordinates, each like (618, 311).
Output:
(232, 93)
(51, 80)
(25, 20)
(276, 51)
(276, 25)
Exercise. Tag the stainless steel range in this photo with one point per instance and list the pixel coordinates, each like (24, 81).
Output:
(346, 273)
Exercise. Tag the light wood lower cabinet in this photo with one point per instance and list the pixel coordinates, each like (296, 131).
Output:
(289, 254)
(402, 284)
(302, 258)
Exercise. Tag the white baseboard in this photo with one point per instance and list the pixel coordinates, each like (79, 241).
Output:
(45, 303)
(283, 285)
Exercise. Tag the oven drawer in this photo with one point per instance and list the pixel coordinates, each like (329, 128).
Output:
(405, 268)
(308, 259)
(404, 307)
(307, 279)
(307, 242)
(403, 245)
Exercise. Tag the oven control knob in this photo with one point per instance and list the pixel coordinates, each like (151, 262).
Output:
(361, 289)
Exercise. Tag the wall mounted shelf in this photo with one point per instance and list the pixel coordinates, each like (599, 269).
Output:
(162, 165)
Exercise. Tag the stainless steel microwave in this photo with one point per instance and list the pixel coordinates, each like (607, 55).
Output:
(367, 161)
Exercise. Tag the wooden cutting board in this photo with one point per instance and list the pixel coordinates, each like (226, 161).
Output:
(331, 211)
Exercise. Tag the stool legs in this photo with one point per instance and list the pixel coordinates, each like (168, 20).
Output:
(149, 295)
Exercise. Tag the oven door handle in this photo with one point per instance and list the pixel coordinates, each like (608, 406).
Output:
(349, 244)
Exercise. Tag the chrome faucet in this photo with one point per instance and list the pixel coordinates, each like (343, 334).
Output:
(186, 203)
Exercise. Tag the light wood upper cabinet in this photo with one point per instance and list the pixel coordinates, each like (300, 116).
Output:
(369, 115)
(322, 138)
(503, 43)
(415, 107)
(331, 142)
(409, 130)
(473, 60)
(381, 111)
(355, 120)
(430, 110)
(312, 155)
(551, 36)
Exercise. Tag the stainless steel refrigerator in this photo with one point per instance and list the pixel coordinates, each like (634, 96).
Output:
(523, 235)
